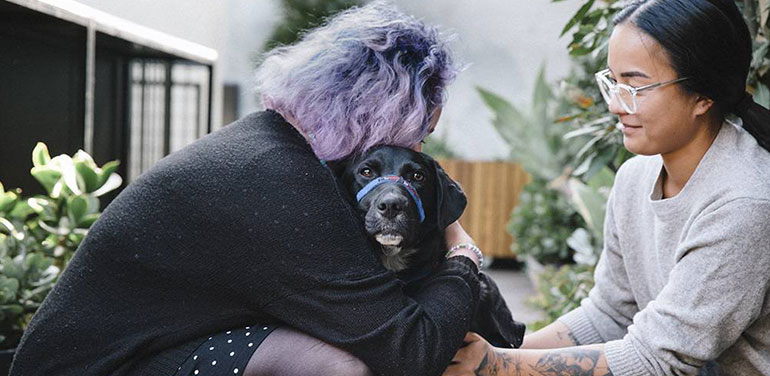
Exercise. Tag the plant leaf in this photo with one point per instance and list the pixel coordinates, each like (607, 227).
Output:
(107, 171)
(47, 176)
(112, 183)
(40, 156)
(77, 207)
(577, 17)
(7, 201)
(88, 220)
(86, 172)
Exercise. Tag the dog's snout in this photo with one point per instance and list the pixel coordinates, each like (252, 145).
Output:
(391, 204)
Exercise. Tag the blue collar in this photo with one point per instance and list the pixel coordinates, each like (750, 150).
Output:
(393, 179)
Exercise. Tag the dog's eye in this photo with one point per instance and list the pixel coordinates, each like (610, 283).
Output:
(418, 176)
(366, 172)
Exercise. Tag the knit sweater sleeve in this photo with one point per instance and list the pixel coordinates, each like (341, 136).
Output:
(715, 291)
(610, 305)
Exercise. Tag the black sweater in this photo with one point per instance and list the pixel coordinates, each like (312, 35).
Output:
(243, 226)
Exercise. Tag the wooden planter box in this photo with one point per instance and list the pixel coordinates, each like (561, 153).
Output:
(493, 190)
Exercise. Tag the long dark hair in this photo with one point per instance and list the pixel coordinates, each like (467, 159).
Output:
(708, 41)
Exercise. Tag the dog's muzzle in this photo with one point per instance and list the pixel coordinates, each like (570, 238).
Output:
(393, 180)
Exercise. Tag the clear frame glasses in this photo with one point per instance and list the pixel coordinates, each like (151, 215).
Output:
(625, 94)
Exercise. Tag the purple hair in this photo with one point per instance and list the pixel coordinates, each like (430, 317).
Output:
(370, 76)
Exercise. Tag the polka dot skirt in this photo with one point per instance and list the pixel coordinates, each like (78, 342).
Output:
(225, 353)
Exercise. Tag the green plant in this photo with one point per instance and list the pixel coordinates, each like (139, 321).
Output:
(543, 220)
(541, 223)
(302, 15)
(560, 290)
(39, 235)
(535, 139)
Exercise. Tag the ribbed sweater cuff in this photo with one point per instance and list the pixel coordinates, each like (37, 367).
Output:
(622, 359)
(578, 324)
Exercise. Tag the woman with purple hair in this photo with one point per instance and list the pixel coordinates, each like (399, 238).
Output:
(239, 255)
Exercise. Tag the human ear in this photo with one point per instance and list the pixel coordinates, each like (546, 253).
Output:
(703, 105)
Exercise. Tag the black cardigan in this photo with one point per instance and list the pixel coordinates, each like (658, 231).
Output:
(243, 226)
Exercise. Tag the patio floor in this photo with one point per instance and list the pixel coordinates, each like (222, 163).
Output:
(516, 288)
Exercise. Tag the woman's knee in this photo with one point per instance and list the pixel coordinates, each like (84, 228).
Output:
(289, 352)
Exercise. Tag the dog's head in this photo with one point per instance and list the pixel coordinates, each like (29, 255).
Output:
(402, 195)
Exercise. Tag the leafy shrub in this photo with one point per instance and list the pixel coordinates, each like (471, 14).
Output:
(39, 235)
(541, 223)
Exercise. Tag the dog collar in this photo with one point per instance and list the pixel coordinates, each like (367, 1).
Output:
(393, 179)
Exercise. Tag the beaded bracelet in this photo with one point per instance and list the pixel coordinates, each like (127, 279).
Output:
(470, 246)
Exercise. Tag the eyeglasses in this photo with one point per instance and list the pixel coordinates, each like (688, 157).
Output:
(625, 94)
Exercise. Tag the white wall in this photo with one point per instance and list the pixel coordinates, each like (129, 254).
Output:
(503, 43)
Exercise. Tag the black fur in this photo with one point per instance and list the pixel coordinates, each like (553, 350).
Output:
(389, 210)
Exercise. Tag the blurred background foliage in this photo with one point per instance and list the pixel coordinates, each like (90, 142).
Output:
(302, 15)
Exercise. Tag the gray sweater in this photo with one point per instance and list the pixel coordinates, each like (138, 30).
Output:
(686, 279)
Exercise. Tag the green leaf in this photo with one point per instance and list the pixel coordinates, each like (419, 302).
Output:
(21, 210)
(6, 226)
(602, 159)
(77, 207)
(40, 156)
(68, 173)
(87, 174)
(541, 96)
(759, 54)
(590, 203)
(88, 220)
(577, 17)
(47, 176)
(7, 201)
(13, 309)
(11, 269)
(9, 287)
(2, 189)
(112, 183)
(108, 169)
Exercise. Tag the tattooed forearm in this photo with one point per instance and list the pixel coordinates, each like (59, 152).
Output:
(495, 364)
(573, 362)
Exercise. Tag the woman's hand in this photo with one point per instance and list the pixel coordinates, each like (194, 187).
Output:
(474, 359)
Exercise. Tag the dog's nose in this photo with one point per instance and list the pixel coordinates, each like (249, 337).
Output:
(391, 204)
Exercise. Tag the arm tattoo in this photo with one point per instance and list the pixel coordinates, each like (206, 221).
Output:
(572, 338)
(557, 363)
(570, 363)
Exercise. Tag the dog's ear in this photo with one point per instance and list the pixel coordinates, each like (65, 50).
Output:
(338, 167)
(450, 198)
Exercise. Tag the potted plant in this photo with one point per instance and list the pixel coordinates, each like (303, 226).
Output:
(39, 235)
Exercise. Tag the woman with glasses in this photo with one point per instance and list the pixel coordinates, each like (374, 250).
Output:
(683, 283)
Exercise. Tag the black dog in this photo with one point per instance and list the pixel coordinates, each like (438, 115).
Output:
(406, 201)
